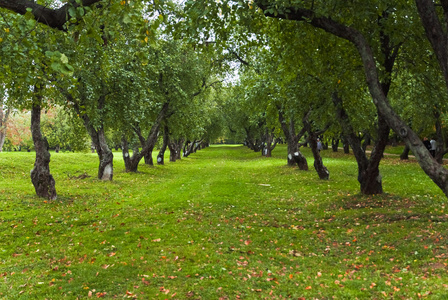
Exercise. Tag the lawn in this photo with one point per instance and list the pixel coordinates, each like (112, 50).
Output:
(224, 223)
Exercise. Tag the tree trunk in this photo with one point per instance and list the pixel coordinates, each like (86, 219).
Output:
(105, 169)
(161, 155)
(148, 155)
(43, 181)
(130, 162)
(191, 147)
(148, 159)
(150, 141)
(321, 170)
(198, 145)
(179, 144)
(368, 172)
(294, 155)
(346, 145)
(98, 137)
(172, 148)
(405, 154)
(2, 138)
(185, 148)
(3, 124)
(334, 144)
(271, 142)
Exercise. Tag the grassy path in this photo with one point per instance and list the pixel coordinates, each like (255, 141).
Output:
(224, 223)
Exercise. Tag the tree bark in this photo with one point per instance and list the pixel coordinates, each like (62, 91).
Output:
(172, 148)
(42, 180)
(148, 159)
(4, 116)
(130, 162)
(270, 141)
(147, 156)
(368, 173)
(161, 155)
(294, 155)
(334, 144)
(54, 18)
(321, 170)
(405, 154)
(346, 145)
(179, 145)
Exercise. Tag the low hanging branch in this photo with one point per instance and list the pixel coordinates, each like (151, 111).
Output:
(54, 18)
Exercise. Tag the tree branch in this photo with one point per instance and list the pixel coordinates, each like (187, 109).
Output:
(54, 18)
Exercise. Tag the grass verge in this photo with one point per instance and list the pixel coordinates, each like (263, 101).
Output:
(224, 223)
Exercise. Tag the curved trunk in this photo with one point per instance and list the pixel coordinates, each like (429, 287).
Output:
(42, 180)
(106, 167)
(405, 154)
(106, 157)
(300, 160)
(189, 147)
(150, 142)
(368, 172)
(321, 170)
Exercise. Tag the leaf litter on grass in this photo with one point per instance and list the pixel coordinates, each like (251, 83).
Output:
(286, 234)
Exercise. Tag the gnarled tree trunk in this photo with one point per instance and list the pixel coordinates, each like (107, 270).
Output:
(149, 143)
(106, 167)
(43, 181)
(130, 162)
(368, 172)
(294, 155)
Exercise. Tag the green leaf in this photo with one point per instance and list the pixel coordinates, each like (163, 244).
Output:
(64, 59)
(72, 12)
(127, 19)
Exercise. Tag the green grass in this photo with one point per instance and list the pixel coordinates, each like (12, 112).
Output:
(224, 223)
